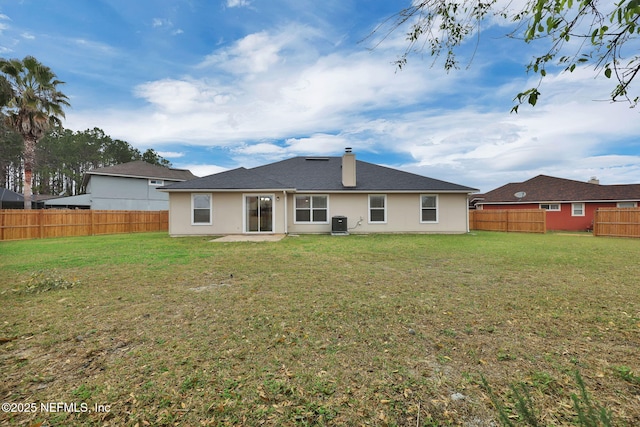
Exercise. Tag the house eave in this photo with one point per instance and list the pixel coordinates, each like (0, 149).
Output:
(119, 175)
(529, 202)
(224, 190)
(316, 191)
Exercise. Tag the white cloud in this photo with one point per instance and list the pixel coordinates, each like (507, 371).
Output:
(304, 96)
(201, 170)
(93, 46)
(238, 3)
(161, 22)
(261, 51)
(320, 144)
(170, 154)
(262, 148)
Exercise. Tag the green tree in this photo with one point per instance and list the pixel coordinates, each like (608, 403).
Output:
(35, 106)
(6, 91)
(10, 155)
(577, 32)
(151, 156)
(64, 156)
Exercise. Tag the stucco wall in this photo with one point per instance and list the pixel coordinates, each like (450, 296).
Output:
(403, 214)
(227, 216)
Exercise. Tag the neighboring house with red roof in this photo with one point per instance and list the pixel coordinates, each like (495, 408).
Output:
(570, 204)
(317, 195)
(127, 186)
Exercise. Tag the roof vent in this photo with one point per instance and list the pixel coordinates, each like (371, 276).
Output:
(347, 150)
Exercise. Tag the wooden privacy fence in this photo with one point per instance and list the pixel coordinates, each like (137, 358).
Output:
(617, 222)
(515, 220)
(39, 224)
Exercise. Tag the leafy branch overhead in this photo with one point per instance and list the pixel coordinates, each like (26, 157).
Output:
(600, 34)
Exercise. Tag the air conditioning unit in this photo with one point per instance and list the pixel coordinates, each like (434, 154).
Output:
(339, 225)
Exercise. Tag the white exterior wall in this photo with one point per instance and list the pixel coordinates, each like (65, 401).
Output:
(227, 215)
(403, 214)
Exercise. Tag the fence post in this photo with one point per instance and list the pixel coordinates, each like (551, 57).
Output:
(40, 217)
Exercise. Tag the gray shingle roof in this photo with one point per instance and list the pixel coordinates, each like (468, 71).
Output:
(543, 188)
(7, 195)
(142, 169)
(235, 179)
(318, 174)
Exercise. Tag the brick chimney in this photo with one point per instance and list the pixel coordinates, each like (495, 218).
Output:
(594, 180)
(348, 168)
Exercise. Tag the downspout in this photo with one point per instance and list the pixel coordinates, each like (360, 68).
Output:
(286, 218)
(468, 228)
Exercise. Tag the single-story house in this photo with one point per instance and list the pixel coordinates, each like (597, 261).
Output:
(317, 195)
(10, 199)
(570, 204)
(127, 186)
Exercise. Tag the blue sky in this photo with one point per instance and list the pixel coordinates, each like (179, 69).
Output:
(213, 85)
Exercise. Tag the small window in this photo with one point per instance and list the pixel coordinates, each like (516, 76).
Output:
(156, 182)
(201, 204)
(577, 209)
(550, 206)
(429, 208)
(312, 209)
(627, 205)
(378, 208)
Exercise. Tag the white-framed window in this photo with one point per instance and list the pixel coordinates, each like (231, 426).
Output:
(311, 209)
(627, 204)
(378, 208)
(201, 208)
(577, 209)
(550, 206)
(428, 208)
(156, 182)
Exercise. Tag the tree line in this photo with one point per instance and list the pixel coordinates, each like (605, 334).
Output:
(62, 157)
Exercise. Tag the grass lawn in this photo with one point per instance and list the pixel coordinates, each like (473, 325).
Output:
(318, 330)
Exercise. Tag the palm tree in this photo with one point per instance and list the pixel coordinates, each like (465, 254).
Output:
(33, 107)
(6, 91)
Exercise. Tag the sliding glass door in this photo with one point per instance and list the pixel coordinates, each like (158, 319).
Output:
(258, 213)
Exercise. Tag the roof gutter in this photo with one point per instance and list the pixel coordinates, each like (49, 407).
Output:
(121, 175)
(222, 190)
(558, 201)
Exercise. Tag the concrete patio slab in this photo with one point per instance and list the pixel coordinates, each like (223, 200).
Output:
(250, 238)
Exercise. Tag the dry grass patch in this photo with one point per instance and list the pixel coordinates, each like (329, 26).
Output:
(320, 330)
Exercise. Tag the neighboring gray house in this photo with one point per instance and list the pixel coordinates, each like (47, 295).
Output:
(127, 186)
(10, 199)
(317, 195)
